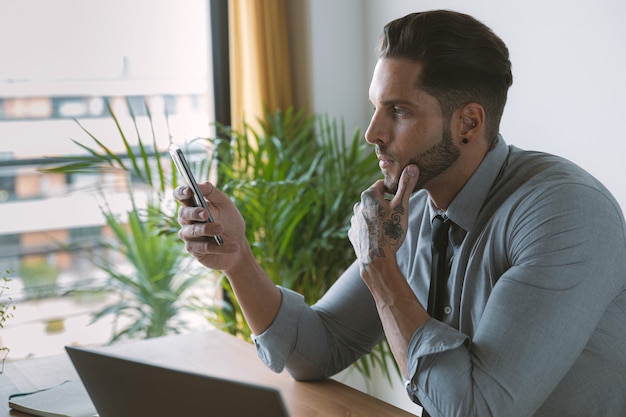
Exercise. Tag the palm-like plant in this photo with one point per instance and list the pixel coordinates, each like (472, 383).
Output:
(295, 179)
(152, 291)
(155, 275)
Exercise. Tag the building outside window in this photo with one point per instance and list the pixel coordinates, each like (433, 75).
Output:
(61, 62)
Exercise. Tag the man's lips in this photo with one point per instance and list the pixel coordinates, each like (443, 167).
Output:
(384, 162)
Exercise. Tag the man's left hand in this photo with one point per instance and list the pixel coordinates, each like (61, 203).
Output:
(378, 226)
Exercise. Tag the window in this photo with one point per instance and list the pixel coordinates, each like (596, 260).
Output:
(62, 62)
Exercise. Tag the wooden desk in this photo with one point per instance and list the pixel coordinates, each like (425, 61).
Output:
(214, 353)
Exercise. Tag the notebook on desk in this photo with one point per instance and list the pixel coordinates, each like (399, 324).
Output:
(121, 387)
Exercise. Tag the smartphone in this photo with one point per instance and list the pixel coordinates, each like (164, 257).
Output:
(185, 172)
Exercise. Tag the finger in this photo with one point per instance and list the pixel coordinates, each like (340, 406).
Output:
(200, 249)
(407, 182)
(200, 231)
(190, 214)
(184, 195)
(212, 194)
(376, 191)
(351, 231)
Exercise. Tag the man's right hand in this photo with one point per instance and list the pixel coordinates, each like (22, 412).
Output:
(257, 294)
(198, 234)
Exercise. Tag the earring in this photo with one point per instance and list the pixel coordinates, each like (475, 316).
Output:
(465, 140)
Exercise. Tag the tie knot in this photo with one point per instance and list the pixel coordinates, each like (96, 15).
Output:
(440, 232)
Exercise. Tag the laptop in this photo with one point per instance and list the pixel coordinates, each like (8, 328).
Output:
(122, 387)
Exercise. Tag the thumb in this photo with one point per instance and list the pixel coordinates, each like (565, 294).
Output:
(212, 194)
(407, 182)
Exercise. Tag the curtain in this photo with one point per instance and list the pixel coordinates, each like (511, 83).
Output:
(260, 72)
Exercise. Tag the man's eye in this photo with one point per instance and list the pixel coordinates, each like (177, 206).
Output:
(399, 111)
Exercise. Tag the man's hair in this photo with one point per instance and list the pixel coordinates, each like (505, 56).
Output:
(462, 61)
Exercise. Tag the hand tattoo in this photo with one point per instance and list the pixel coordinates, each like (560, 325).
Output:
(392, 227)
(391, 220)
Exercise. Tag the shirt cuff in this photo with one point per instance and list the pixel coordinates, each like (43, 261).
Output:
(276, 343)
(430, 339)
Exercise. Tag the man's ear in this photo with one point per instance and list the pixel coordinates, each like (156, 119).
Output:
(467, 124)
(471, 122)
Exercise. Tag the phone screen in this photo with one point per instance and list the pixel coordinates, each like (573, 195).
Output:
(185, 172)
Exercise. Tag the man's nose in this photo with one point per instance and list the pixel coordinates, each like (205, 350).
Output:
(374, 134)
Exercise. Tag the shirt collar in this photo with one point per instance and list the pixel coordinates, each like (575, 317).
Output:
(466, 205)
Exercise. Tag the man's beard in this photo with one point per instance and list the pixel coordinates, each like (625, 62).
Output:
(432, 162)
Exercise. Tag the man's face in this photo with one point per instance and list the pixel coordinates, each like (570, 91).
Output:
(407, 126)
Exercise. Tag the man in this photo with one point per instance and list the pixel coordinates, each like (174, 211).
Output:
(532, 309)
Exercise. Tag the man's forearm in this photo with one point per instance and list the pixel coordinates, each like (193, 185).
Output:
(400, 311)
(257, 295)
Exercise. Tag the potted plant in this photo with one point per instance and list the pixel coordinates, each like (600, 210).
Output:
(145, 264)
(295, 179)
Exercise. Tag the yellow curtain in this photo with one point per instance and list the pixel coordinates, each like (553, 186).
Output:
(259, 59)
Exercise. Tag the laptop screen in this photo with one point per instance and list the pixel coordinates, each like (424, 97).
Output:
(122, 387)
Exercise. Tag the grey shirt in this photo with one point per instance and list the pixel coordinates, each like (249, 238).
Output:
(536, 320)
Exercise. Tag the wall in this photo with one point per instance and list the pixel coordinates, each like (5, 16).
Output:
(337, 58)
(569, 90)
(568, 95)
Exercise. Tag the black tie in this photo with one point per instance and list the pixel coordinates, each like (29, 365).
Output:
(438, 275)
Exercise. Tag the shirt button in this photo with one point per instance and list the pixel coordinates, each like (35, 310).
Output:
(447, 310)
